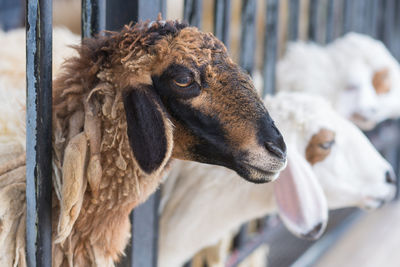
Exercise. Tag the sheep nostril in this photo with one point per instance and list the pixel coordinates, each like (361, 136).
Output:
(275, 150)
(390, 177)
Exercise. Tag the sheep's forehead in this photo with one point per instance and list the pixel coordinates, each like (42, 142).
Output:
(301, 115)
(199, 48)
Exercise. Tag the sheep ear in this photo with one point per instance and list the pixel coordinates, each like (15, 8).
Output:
(147, 128)
(301, 202)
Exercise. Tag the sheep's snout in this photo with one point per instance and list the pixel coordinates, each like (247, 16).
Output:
(277, 149)
(315, 233)
(390, 177)
(265, 158)
(387, 193)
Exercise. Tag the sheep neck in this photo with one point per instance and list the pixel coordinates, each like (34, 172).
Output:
(102, 227)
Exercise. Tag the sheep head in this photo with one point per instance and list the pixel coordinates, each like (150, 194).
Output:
(218, 117)
(349, 169)
(183, 97)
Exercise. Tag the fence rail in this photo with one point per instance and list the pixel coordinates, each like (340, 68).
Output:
(38, 132)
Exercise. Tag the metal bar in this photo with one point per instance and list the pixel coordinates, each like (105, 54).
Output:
(374, 18)
(294, 14)
(192, 12)
(330, 21)
(313, 20)
(246, 249)
(397, 167)
(145, 217)
(338, 18)
(11, 14)
(312, 254)
(122, 12)
(381, 20)
(93, 17)
(347, 16)
(145, 233)
(358, 15)
(144, 243)
(38, 132)
(396, 39)
(368, 22)
(270, 46)
(388, 27)
(241, 238)
(222, 18)
(248, 35)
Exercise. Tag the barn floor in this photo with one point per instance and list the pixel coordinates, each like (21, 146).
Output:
(374, 240)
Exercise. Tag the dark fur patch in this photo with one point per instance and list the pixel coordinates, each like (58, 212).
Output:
(158, 30)
(107, 50)
(146, 129)
(267, 132)
(211, 138)
(165, 86)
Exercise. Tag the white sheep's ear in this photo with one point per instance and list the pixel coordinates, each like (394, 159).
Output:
(148, 128)
(301, 202)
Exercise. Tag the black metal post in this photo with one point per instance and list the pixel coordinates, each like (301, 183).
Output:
(313, 20)
(122, 12)
(388, 21)
(347, 16)
(11, 14)
(248, 36)
(294, 14)
(144, 243)
(38, 132)
(330, 21)
(270, 46)
(396, 38)
(145, 233)
(241, 237)
(374, 18)
(359, 15)
(192, 12)
(93, 17)
(222, 17)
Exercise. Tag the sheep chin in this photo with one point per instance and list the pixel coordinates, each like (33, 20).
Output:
(256, 175)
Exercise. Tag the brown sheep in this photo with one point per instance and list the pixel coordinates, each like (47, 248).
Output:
(124, 107)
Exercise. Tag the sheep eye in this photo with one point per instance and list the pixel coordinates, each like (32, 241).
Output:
(352, 87)
(183, 81)
(327, 145)
(319, 147)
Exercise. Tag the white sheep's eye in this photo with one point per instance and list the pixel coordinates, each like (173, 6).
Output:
(327, 145)
(352, 87)
(183, 81)
(319, 147)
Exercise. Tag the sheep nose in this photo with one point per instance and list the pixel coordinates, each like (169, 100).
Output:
(390, 177)
(315, 233)
(278, 149)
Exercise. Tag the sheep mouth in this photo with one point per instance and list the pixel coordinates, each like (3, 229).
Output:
(255, 174)
(372, 203)
(362, 121)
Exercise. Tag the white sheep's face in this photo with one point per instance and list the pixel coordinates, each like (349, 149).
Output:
(349, 169)
(368, 97)
(354, 173)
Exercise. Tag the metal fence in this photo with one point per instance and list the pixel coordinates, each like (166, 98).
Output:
(327, 20)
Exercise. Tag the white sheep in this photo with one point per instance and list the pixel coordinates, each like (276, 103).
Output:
(356, 73)
(204, 203)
